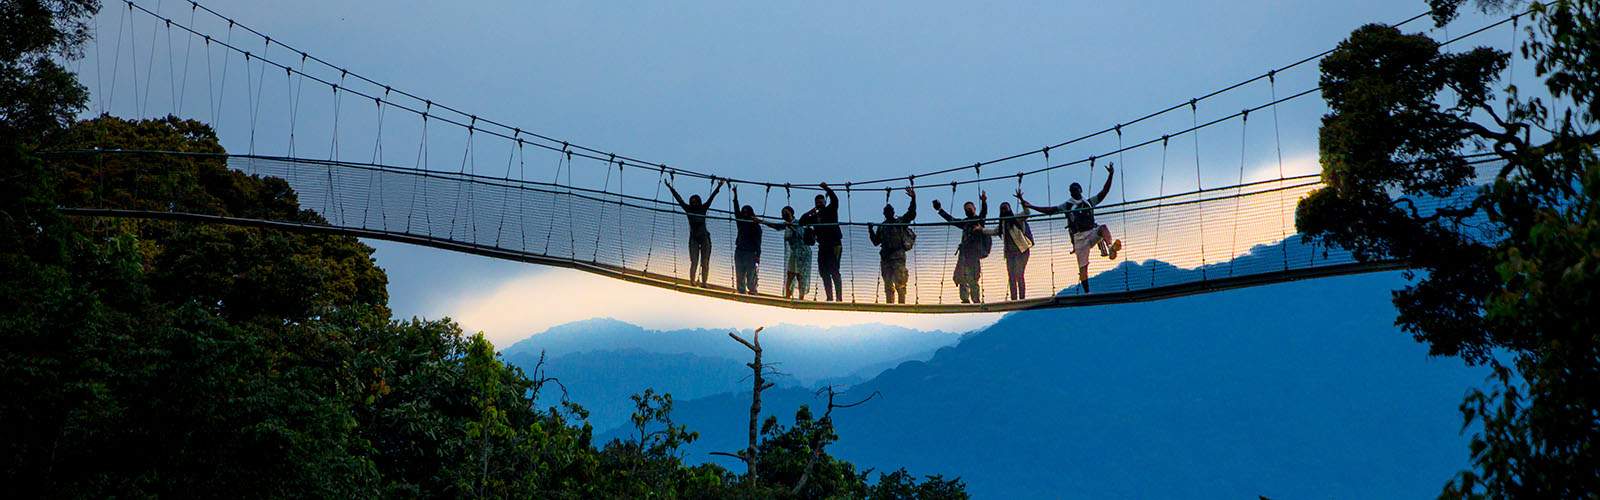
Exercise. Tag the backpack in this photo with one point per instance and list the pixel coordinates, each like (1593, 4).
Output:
(1080, 217)
(897, 238)
(985, 244)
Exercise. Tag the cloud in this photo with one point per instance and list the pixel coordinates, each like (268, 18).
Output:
(544, 297)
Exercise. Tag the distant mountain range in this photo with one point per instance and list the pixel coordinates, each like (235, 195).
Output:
(1296, 390)
(603, 361)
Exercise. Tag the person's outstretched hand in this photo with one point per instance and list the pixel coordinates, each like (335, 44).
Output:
(983, 195)
(910, 192)
(937, 206)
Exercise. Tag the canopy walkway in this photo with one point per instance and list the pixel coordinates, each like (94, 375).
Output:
(1174, 243)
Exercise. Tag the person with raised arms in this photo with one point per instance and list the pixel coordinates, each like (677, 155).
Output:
(974, 246)
(1086, 234)
(699, 237)
(893, 240)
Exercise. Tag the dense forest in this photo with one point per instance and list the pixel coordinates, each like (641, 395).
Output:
(157, 358)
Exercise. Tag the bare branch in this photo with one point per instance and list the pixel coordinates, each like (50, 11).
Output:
(858, 403)
(747, 345)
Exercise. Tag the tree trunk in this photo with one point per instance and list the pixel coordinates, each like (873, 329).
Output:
(758, 384)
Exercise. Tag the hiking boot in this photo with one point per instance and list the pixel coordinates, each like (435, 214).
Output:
(1116, 246)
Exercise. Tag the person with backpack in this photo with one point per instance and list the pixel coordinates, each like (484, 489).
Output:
(893, 240)
(699, 237)
(975, 245)
(1086, 234)
(1017, 242)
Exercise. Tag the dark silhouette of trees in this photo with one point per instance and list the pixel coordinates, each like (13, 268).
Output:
(1505, 274)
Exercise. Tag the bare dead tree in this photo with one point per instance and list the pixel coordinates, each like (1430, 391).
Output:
(539, 379)
(758, 383)
(825, 423)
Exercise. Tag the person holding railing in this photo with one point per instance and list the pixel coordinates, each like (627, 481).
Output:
(1017, 242)
(824, 222)
(974, 246)
(699, 237)
(1086, 234)
(797, 241)
(746, 245)
(893, 240)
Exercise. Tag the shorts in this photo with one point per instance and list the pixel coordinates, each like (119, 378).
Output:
(894, 271)
(1083, 243)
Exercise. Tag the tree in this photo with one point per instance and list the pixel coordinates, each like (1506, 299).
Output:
(751, 454)
(1507, 262)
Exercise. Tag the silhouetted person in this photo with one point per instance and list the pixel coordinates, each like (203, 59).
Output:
(1017, 239)
(824, 222)
(699, 237)
(746, 245)
(893, 240)
(797, 263)
(973, 248)
(1086, 234)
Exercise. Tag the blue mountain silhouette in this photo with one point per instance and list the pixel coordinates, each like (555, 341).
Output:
(1294, 390)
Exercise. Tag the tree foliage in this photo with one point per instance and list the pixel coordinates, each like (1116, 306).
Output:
(1507, 270)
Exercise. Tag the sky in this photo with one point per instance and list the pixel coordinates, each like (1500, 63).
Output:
(781, 92)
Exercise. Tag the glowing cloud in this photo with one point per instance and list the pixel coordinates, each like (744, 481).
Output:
(546, 297)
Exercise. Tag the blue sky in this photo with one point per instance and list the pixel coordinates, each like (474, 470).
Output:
(796, 92)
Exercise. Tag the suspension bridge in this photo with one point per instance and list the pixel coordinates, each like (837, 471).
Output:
(526, 206)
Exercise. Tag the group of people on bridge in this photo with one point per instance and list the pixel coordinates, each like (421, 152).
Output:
(894, 237)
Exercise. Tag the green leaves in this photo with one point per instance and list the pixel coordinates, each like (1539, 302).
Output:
(1506, 270)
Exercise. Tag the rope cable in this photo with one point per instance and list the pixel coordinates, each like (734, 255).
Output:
(600, 219)
(621, 249)
(642, 164)
(333, 152)
(522, 209)
(849, 216)
(1277, 136)
(455, 212)
(1194, 115)
(943, 276)
(133, 66)
(116, 61)
(377, 158)
(222, 86)
(188, 51)
(505, 201)
(1049, 199)
(172, 69)
(150, 65)
(572, 229)
(99, 68)
(1161, 192)
(655, 221)
(1233, 245)
(1126, 285)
